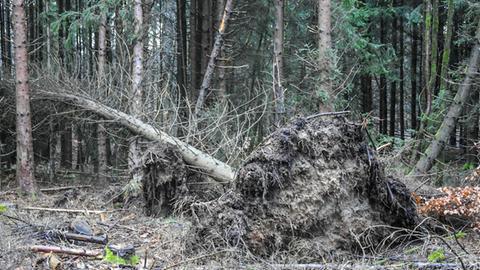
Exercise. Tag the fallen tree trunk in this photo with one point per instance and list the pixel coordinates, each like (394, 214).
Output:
(213, 167)
(441, 137)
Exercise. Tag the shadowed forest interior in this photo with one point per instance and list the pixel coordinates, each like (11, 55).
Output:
(356, 122)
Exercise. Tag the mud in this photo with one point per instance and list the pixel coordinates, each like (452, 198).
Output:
(311, 188)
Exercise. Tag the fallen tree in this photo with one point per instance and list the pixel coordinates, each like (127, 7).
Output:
(448, 125)
(312, 188)
(194, 157)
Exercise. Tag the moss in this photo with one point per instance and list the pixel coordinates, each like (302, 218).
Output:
(110, 257)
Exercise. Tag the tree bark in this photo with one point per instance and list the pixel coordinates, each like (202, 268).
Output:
(195, 59)
(324, 47)
(401, 101)
(101, 131)
(182, 57)
(217, 46)
(278, 64)
(136, 95)
(25, 165)
(383, 86)
(446, 47)
(192, 156)
(413, 78)
(441, 137)
(393, 84)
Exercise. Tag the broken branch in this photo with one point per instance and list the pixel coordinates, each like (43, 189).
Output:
(64, 250)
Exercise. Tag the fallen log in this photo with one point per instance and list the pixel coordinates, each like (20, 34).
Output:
(193, 156)
(65, 250)
(63, 188)
(67, 210)
(103, 239)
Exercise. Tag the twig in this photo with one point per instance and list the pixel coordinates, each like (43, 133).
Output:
(326, 114)
(67, 210)
(63, 188)
(64, 250)
(381, 147)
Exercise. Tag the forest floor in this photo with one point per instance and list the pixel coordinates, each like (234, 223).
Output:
(160, 242)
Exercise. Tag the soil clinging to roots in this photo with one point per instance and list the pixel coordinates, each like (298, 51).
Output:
(310, 188)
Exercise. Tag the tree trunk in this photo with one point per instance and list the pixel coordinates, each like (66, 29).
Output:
(427, 53)
(136, 95)
(217, 46)
(446, 47)
(222, 80)
(441, 137)
(324, 47)
(393, 84)
(25, 165)
(101, 131)
(278, 91)
(6, 38)
(413, 78)
(401, 104)
(182, 55)
(192, 156)
(195, 59)
(75, 146)
(383, 86)
(366, 86)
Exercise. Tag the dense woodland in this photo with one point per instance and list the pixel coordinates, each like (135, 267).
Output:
(239, 91)
(222, 75)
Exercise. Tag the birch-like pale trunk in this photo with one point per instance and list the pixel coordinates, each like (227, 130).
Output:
(441, 137)
(25, 165)
(196, 158)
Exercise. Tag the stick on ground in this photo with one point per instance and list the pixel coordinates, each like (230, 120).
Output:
(64, 250)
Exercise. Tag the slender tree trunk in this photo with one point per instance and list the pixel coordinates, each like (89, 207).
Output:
(75, 146)
(434, 51)
(6, 38)
(222, 80)
(207, 79)
(413, 78)
(366, 86)
(195, 59)
(441, 137)
(446, 47)
(402, 78)
(61, 40)
(278, 90)
(427, 53)
(25, 165)
(393, 84)
(136, 95)
(182, 54)
(101, 131)
(3, 38)
(383, 86)
(324, 47)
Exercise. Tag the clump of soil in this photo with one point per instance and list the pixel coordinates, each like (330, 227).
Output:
(165, 185)
(312, 188)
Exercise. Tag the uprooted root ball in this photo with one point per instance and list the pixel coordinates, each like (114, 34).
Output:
(311, 188)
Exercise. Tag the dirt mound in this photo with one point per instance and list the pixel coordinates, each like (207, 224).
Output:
(170, 184)
(311, 188)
